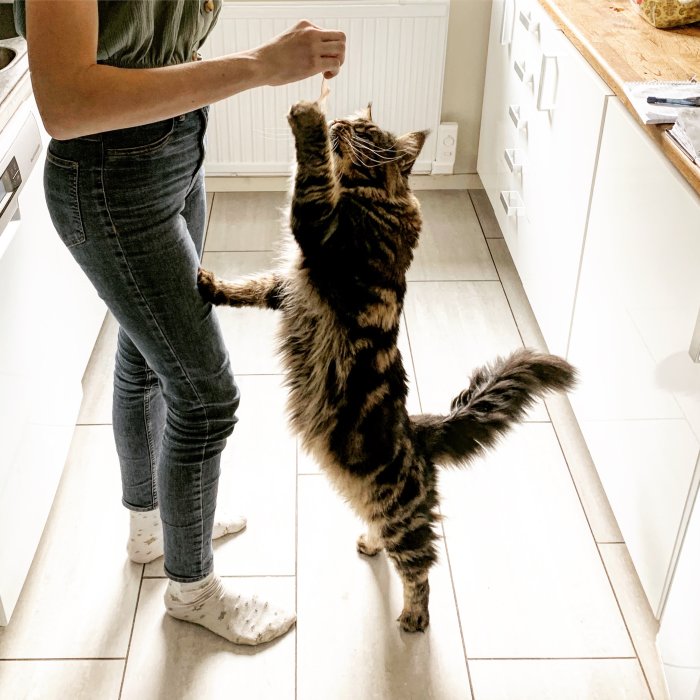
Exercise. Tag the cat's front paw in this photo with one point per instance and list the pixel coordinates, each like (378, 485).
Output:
(368, 547)
(305, 115)
(207, 284)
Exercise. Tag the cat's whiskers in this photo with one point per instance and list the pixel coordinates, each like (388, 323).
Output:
(377, 149)
(363, 153)
(348, 143)
(363, 150)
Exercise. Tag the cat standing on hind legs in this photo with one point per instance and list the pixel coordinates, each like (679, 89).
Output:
(353, 227)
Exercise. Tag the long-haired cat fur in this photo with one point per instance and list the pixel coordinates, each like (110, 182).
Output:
(353, 227)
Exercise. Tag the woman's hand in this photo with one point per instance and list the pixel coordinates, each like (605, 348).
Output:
(300, 52)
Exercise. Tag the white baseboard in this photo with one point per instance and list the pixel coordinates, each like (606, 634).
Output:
(222, 183)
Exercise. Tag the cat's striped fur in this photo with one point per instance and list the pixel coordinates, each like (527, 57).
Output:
(354, 225)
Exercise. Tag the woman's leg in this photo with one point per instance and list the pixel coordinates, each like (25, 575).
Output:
(117, 200)
(138, 419)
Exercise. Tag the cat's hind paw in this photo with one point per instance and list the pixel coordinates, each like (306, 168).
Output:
(414, 620)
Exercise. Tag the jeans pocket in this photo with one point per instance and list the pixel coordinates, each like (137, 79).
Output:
(138, 140)
(61, 189)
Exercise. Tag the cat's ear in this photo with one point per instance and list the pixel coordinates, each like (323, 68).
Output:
(409, 147)
(365, 113)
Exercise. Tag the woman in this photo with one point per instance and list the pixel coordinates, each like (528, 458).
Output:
(122, 91)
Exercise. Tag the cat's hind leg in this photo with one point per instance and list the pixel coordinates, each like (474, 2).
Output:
(370, 543)
(410, 542)
(413, 565)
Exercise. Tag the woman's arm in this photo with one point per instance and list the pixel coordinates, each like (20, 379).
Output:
(77, 96)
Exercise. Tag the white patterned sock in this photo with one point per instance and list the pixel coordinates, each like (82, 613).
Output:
(146, 533)
(238, 618)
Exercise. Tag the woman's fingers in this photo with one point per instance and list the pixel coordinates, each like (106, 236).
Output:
(333, 48)
(331, 69)
(302, 51)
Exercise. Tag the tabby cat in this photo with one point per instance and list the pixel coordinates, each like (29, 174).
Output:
(354, 224)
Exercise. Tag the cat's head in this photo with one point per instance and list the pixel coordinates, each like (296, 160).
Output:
(365, 154)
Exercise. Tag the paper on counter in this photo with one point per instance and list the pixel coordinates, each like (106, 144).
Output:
(637, 94)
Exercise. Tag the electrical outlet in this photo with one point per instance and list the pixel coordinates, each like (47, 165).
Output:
(446, 149)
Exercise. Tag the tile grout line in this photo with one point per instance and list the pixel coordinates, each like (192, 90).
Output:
(65, 658)
(505, 294)
(131, 633)
(459, 617)
(247, 250)
(156, 578)
(554, 658)
(296, 567)
(624, 620)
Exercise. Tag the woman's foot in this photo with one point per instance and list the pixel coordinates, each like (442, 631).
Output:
(238, 618)
(146, 533)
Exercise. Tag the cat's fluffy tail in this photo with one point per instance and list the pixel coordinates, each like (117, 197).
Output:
(497, 397)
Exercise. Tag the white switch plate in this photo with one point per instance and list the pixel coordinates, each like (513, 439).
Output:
(446, 149)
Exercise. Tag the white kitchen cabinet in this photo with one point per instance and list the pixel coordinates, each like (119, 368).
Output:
(541, 121)
(50, 317)
(638, 402)
(501, 89)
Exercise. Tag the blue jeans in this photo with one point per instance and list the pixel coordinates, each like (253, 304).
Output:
(130, 206)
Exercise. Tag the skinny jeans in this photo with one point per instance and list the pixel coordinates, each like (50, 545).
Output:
(130, 206)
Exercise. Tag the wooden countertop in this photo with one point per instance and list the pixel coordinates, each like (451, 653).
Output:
(622, 46)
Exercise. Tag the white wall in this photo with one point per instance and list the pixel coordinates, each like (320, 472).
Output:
(467, 45)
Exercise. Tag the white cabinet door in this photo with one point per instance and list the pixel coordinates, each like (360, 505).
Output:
(566, 111)
(638, 403)
(50, 317)
(540, 129)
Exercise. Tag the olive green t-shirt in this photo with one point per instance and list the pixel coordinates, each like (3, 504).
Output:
(147, 33)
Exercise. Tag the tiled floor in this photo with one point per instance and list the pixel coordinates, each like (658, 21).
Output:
(534, 597)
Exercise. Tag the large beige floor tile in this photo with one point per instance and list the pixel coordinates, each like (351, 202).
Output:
(51, 680)
(174, 660)
(638, 615)
(250, 334)
(98, 380)
(517, 299)
(454, 327)
(258, 480)
(452, 245)
(245, 221)
(583, 471)
(412, 400)
(210, 202)
(349, 645)
(570, 679)
(80, 595)
(484, 211)
(528, 576)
